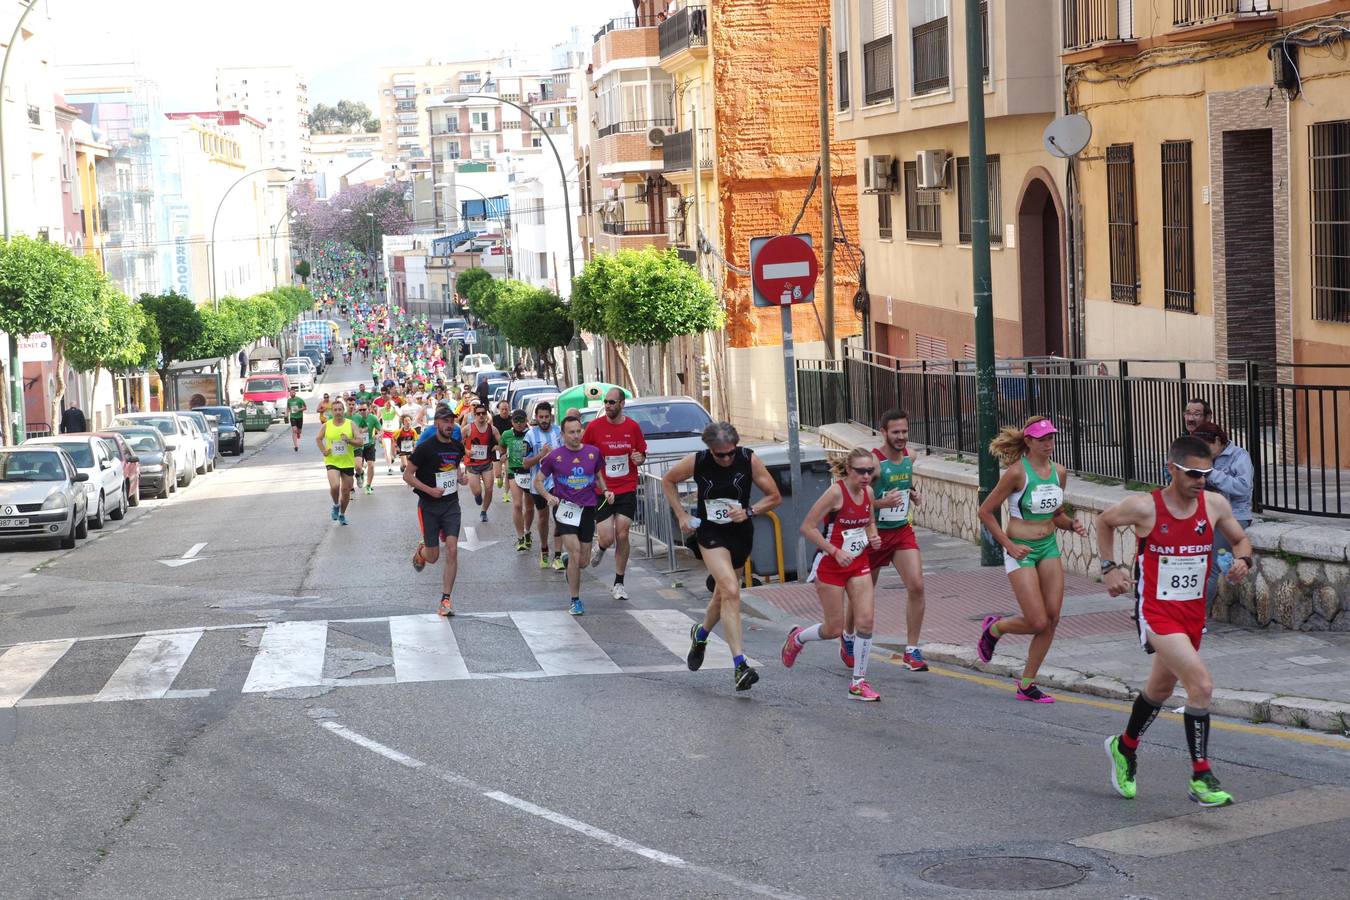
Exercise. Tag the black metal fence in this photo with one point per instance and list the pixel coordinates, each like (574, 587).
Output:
(1116, 418)
(1088, 22)
(1197, 12)
(685, 29)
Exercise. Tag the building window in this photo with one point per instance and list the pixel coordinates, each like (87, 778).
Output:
(884, 216)
(928, 45)
(1122, 223)
(963, 225)
(841, 75)
(483, 148)
(543, 266)
(923, 209)
(1330, 183)
(480, 120)
(1178, 228)
(878, 28)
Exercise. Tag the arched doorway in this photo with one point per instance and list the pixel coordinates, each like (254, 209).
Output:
(1041, 269)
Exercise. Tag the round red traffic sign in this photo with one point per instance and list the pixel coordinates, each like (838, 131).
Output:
(785, 270)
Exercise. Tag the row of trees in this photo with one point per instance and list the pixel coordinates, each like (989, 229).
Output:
(345, 116)
(632, 298)
(46, 289)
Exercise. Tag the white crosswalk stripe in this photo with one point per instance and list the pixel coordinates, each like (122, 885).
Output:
(423, 648)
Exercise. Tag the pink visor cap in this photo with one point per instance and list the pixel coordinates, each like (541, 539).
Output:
(1040, 429)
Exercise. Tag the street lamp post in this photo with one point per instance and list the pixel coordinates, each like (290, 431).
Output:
(276, 229)
(215, 299)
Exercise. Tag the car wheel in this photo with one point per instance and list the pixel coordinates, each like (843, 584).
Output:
(165, 488)
(134, 496)
(99, 516)
(188, 475)
(120, 512)
(201, 470)
(82, 529)
(68, 542)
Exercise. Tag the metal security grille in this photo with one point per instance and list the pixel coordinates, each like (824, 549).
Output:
(923, 209)
(963, 200)
(929, 43)
(1122, 223)
(1330, 179)
(1178, 228)
(878, 71)
(842, 77)
(884, 216)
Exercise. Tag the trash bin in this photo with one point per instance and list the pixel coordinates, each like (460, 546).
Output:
(816, 478)
(257, 418)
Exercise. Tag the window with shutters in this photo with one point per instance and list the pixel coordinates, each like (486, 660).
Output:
(923, 209)
(1122, 223)
(878, 51)
(884, 216)
(928, 346)
(1329, 146)
(841, 73)
(929, 45)
(1178, 229)
(963, 200)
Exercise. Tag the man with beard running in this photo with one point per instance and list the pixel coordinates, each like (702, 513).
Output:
(337, 440)
(620, 440)
(435, 474)
(543, 437)
(576, 486)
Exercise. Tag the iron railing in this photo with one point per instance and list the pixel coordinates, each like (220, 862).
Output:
(629, 126)
(633, 226)
(1178, 228)
(1116, 418)
(678, 150)
(625, 22)
(878, 70)
(1197, 12)
(1088, 22)
(928, 43)
(685, 29)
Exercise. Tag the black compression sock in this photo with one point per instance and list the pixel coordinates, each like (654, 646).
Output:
(618, 579)
(1143, 713)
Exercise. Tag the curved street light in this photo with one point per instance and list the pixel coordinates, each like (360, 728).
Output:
(215, 300)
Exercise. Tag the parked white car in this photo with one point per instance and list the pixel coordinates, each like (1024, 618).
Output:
(106, 488)
(41, 495)
(475, 363)
(198, 441)
(178, 437)
(301, 372)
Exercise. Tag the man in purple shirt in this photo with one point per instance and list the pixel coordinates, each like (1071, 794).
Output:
(577, 471)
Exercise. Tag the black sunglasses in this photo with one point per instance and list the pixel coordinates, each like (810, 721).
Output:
(728, 455)
(865, 473)
(612, 402)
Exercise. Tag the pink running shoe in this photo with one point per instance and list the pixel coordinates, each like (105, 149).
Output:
(985, 648)
(846, 651)
(861, 690)
(1033, 694)
(791, 647)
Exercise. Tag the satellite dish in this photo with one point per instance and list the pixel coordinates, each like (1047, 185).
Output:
(1067, 136)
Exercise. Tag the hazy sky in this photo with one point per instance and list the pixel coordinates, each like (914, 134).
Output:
(338, 43)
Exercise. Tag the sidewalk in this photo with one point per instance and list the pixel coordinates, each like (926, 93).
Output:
(1292, 678)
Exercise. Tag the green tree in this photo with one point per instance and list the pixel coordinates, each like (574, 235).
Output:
(110, 338)
(648, 296)
(179, 323)
(477, 287)
(534, 318)
(302, 268)
(224, 331)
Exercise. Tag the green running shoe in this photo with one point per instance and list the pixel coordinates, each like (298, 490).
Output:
(1205, 790)
(1123, 768)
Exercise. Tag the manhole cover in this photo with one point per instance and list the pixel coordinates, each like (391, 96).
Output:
(1004, 873)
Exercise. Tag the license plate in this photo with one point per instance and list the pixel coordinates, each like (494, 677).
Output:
(13, 523)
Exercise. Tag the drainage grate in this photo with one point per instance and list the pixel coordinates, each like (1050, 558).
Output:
(1004, 873)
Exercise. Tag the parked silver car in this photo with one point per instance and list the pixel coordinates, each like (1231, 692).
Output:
(42, 496)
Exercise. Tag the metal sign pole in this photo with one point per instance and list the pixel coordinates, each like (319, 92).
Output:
(794, 442)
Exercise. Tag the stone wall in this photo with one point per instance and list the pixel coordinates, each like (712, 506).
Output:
(1301, 580)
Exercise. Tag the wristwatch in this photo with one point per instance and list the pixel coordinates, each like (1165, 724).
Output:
(750, 514)
(1108, 565)
(1248, 561)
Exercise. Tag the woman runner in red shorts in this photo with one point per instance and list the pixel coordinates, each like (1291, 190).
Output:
(842, 570)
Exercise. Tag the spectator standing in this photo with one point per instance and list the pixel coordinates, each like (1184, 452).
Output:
(73, 420)
(1234, 476)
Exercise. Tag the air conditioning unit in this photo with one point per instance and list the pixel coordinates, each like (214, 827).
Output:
(931, 166)
(879, 174)
(656, 136)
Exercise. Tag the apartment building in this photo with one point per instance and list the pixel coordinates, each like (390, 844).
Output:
(901, 94)
(1217, 182)
(407, 95)
(277, 96)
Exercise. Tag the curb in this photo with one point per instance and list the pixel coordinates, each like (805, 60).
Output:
(1298, 712)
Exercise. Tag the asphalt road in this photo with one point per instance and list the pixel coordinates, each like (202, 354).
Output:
(300, 727)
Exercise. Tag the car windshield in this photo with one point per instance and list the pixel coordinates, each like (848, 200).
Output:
(163, 424)
(80, 453)
(223, 413)
(265, 384)
(142, 443)
(295, 368)
(31, 466)
(675, 420)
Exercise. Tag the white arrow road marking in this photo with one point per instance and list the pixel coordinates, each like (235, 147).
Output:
(188, 557)
(472, 542)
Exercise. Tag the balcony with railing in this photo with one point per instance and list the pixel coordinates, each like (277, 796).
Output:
(678, 151)
(879, 70)
(928, 45)
(1098, 29)
(1202, 19)
(630, 235)
(685, 30)
(628, 37)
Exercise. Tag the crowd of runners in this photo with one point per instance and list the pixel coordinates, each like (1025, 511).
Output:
(573, 487)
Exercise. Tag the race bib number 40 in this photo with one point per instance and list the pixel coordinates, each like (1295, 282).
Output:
(1181, 577)
(855, 541)
(719, 511)
(568, 513)
(616, 466)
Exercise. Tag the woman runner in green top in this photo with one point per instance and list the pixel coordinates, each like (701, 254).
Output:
(518, 477)
(1033, 486)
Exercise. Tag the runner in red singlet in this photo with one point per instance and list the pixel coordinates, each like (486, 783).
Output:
(842, 570)
(1175, 530)
(479, 439)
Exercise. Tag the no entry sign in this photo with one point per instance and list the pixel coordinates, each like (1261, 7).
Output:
(783, 269)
